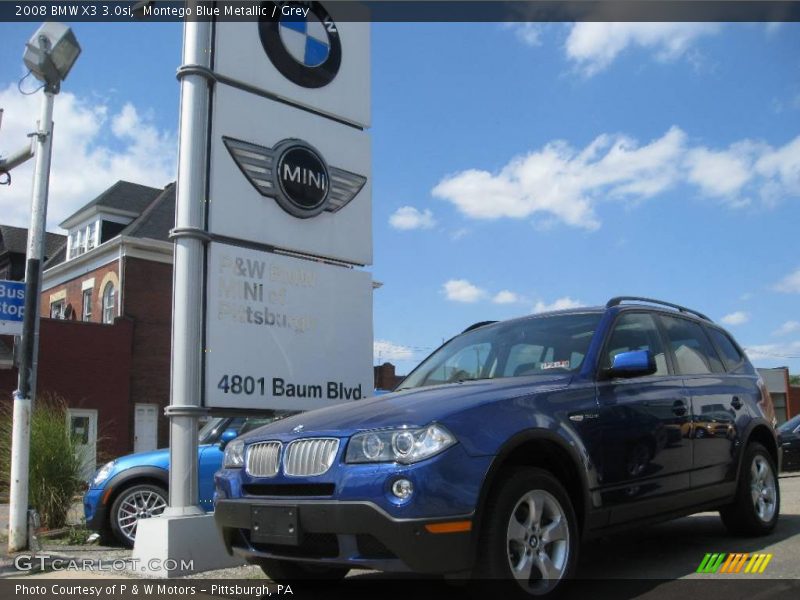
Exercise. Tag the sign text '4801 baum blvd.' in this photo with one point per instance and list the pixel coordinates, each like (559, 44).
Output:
(298, 326)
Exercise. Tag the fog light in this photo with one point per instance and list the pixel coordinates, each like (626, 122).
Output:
(402, 489)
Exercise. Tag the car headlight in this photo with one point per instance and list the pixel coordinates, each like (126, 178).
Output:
(234, 455)
(102, 474)
(399, 445)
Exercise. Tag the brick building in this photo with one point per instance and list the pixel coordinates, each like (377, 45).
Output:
(386, 377)
(111, 280)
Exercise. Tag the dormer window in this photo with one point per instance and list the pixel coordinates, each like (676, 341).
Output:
(83, 239)
(90, 236)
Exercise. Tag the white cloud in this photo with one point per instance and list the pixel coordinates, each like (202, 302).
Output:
(773, 352)
(561, 184)
(787, 328)
(721, 173)
(408, 217)
(559, 304)
(384, 350)
(461, 290)
(565, 183)
(789, 284)
(780, 168)
(93, 147)
(593, 46)
(506, 297)
(736, 318)
(528, 33)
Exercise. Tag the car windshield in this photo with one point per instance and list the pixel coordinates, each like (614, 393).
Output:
(209, 431)
(790, 425)
(536, 346)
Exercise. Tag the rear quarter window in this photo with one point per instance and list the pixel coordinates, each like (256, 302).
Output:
(731, 356)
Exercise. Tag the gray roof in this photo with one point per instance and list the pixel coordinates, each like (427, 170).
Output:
(15, 240)
(123, 195)
(156, 218)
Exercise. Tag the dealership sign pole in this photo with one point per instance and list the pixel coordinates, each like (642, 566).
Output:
(271, 309)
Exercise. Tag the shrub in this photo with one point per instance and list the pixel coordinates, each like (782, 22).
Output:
(54, 470)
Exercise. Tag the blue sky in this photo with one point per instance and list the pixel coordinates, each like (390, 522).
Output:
(515, 167)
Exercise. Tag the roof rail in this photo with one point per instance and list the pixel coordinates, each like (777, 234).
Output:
(478, 324)
(620, 299)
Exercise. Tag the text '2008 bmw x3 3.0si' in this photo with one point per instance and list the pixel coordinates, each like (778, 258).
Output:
(509, 445)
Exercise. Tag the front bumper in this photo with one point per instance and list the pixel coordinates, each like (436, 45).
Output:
(94, 510)
(355, 534)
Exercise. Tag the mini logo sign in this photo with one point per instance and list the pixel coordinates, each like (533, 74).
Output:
(302, 42)
(296, 176)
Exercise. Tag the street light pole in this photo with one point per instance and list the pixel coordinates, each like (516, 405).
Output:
(50, 55)
(26, 382)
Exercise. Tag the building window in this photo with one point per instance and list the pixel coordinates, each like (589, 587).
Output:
(57, 309)
(108, 303)
(90, 236)
(73, 245)
(86, 315)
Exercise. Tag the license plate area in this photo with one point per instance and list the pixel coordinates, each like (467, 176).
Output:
(275, 525)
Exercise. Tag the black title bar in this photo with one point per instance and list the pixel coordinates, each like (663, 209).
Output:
(409, 10)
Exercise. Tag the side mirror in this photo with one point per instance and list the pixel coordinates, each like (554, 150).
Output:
(632, 364)
(227, 436)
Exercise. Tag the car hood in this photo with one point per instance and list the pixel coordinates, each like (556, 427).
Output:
(153, 458)
(414, 407)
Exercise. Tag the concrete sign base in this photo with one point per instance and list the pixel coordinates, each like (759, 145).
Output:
(174, 546)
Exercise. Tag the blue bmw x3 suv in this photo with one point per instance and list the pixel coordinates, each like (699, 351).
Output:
(507, 447)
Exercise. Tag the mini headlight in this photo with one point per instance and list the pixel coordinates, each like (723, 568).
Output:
(102, 473)
(399, 445)
(234, 455)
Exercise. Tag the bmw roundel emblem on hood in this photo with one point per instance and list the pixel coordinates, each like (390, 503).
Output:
(294, 173)
(304, 45)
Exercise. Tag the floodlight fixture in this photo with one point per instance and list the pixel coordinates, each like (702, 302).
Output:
(50, 54)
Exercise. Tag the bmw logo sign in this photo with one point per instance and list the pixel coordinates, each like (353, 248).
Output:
(302, 44)
(301, 177)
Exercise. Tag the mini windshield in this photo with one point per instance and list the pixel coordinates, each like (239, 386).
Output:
(536, 346)
(209, 432)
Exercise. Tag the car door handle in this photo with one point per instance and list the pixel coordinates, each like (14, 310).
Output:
(679, 407)
(736, 403)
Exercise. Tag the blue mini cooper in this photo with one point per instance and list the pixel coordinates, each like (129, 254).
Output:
(507, 447)
(135, 486)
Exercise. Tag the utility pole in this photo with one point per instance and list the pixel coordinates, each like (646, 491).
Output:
(26, 377)
(49, 54)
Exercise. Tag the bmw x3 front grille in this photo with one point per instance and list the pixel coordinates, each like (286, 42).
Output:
(263, 459)
(309, 457)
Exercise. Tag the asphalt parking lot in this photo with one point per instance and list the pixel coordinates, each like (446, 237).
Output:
(661, 553)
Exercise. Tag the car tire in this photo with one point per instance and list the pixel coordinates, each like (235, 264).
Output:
(757, 504)
(286, 571)
(135, 502)
(514, 541)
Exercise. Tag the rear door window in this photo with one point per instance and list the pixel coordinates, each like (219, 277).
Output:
(694, 354)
